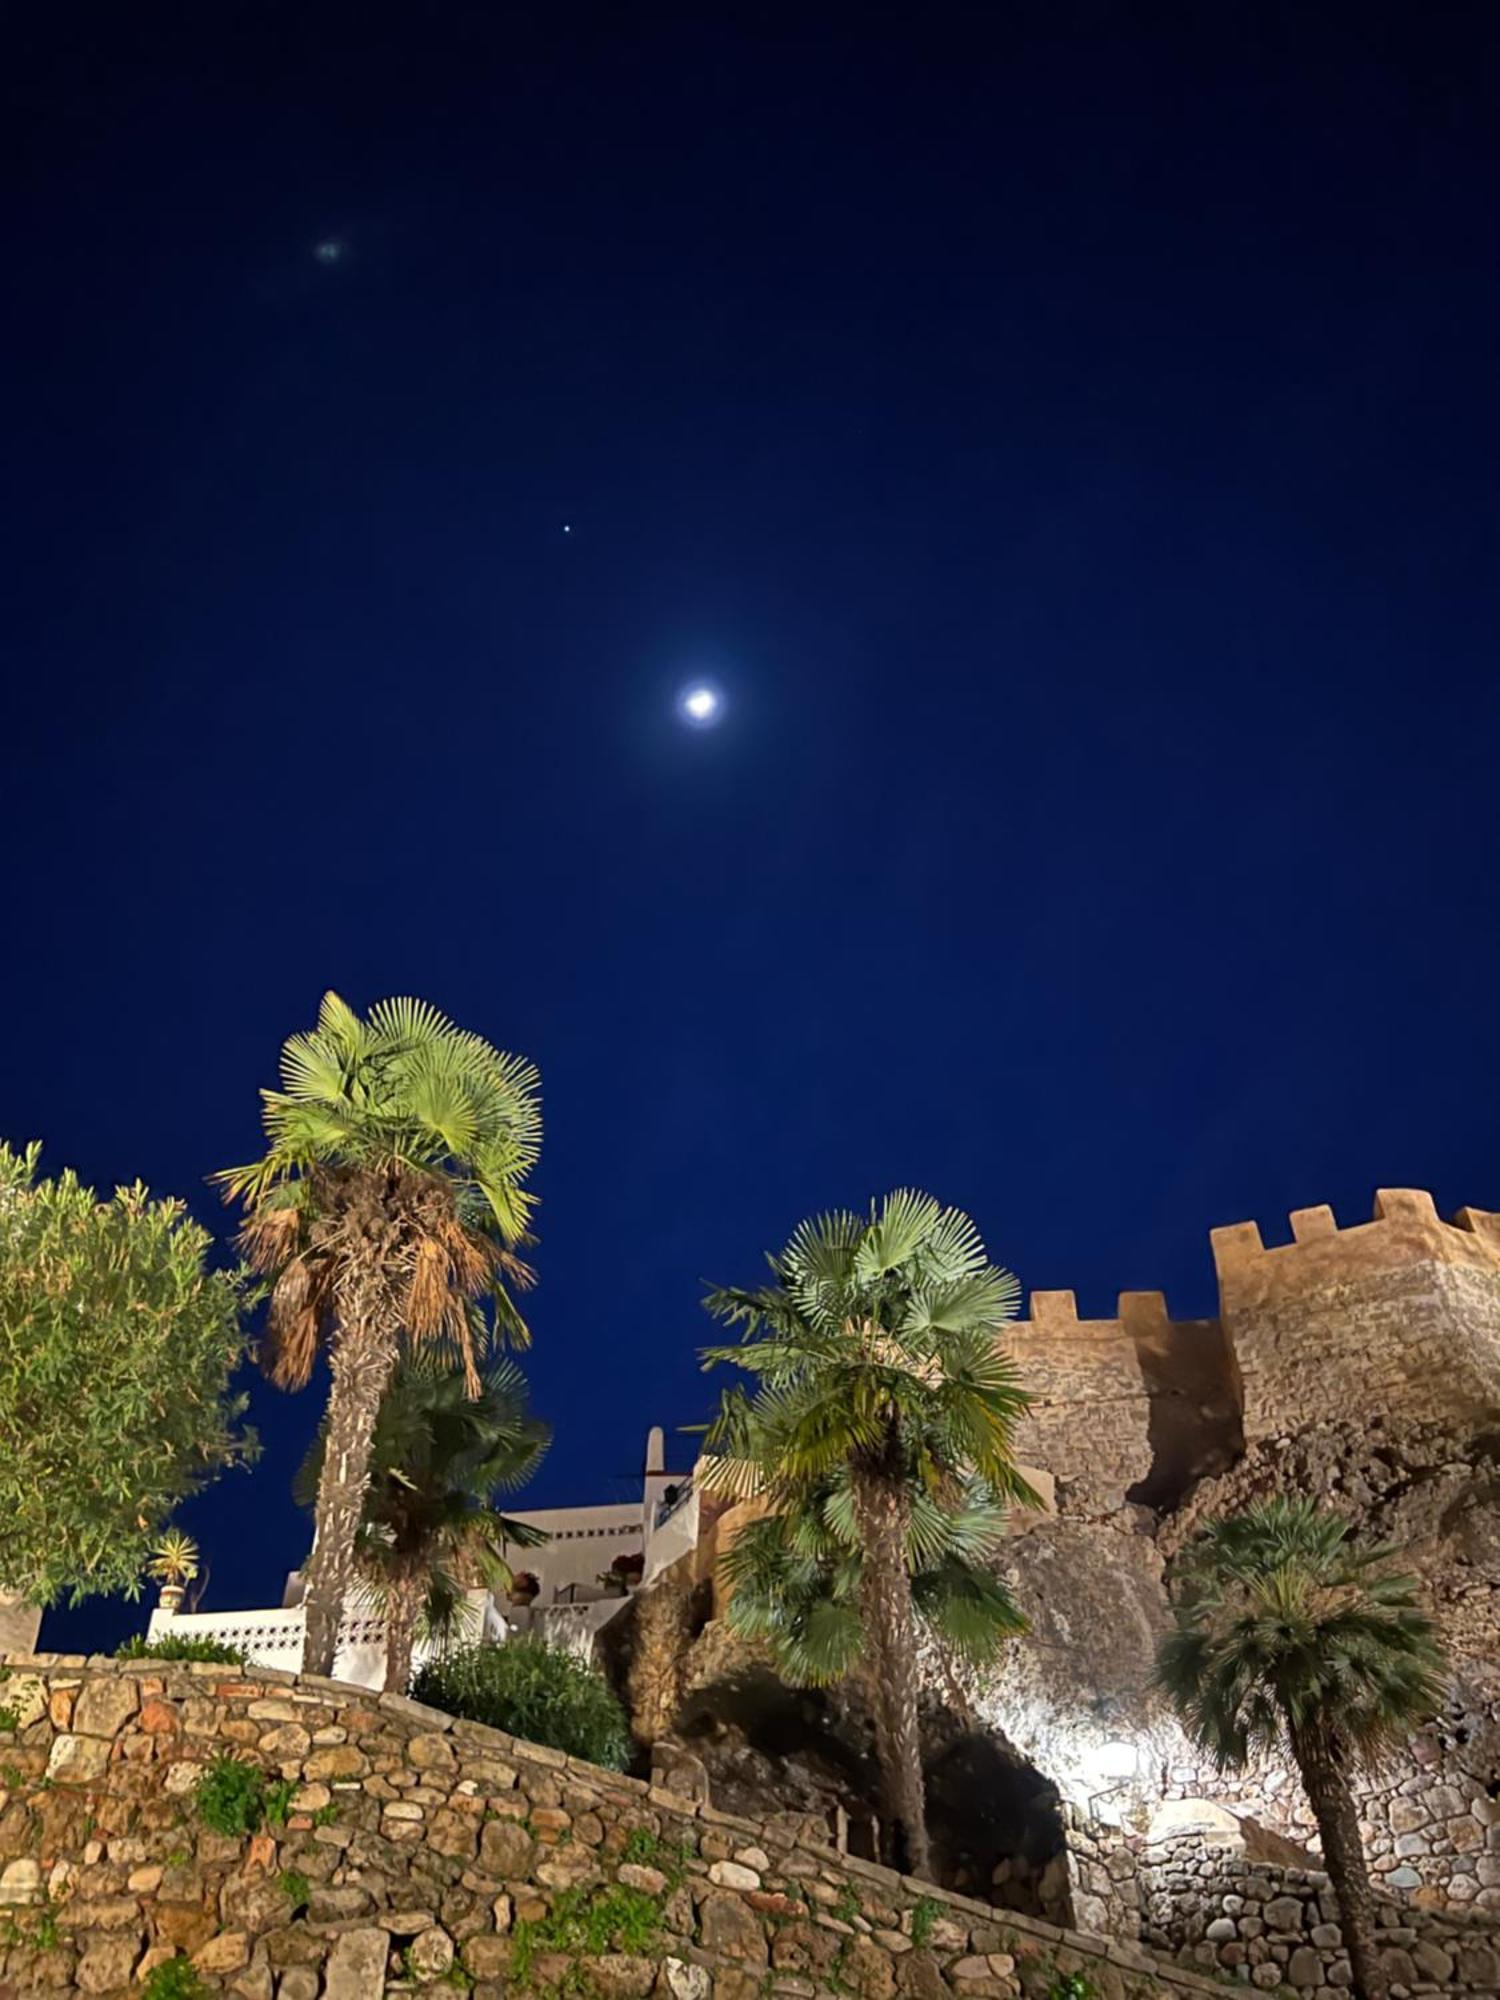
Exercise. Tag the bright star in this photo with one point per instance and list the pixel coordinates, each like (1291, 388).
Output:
(700, 705)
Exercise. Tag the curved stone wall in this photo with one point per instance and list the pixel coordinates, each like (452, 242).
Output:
(1213, 1908)
(406, 1850)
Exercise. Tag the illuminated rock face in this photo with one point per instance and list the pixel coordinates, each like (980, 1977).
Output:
(1360, 1366)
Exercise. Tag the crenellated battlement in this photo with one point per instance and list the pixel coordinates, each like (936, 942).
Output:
(1133, 1407)
(1395, 1317)
(1405, 1223)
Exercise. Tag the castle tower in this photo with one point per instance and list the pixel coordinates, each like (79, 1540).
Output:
(1400, 1315)
(1126, 1409)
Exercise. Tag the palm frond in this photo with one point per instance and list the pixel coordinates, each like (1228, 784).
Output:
(1286, 1627)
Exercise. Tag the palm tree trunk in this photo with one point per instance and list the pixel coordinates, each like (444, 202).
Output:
(362, 1362)
(403, 1607)
(1328, 1793)
(890, 1628)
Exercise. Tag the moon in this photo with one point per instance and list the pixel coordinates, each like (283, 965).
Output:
(700, 704)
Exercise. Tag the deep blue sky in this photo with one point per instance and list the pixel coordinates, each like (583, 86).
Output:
(1069, 433)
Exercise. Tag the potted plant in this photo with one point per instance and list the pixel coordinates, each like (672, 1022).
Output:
(623, 1574)
(173, 1564)
(523, 1588)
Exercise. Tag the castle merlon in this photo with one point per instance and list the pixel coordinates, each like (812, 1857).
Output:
(1405, 1226)
(1057, 1312)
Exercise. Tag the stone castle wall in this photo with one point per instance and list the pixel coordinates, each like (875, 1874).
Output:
(1398, 1316)
(1216, 1910)
(1359, 1366)
(1127, 1409)
(417, 1852)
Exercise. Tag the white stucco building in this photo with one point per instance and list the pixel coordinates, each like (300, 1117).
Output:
(572, 1603)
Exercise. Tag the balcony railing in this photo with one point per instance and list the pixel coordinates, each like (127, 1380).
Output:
(665, 1509)
(274, 1638)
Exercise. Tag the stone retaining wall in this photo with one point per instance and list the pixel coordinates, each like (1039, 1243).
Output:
(1277, 1927)
(408, 1850)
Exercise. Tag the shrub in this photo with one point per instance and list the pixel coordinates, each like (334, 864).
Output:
(580, 1926)
(174, 1979)
(534, 1691)
(213, 1650)
(117, 1344)
(231, 1797)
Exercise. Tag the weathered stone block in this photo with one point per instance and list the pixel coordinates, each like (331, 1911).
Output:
(356, 1965)
(729, 1929)
(104, 1706)
(78, 1760)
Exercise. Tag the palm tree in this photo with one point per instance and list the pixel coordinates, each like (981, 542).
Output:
(429, 1530)
(878, 1378)
(794, 1581)
(389, 1202)
(1289, 1634)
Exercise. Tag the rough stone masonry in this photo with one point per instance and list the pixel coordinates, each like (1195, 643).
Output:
(412, 1851)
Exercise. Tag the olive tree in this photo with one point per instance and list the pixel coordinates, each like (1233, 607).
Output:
(117, 1344)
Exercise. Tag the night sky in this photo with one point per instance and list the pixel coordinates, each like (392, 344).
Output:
(1067, 432)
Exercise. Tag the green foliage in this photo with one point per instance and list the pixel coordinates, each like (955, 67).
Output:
(796, 1580)
(295, 1887)
(1072, 1986)
(170, 1648)
(387, 1208)
(36, 1930)
(439, 1457)
(875, 1344)
(874, 1354)
(10, 1719)
(846, 1904)
(879, 1431)
(924, 1915)
(116, 1349)
(278, 1801)
(175, 1559)
(402, 1107)
(234, 1798)
(1289, 1631)
(533, 1691)
(174, 1979)
(325, 1815)
(584, 1926)
(641, 1845)
(231, 1797)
